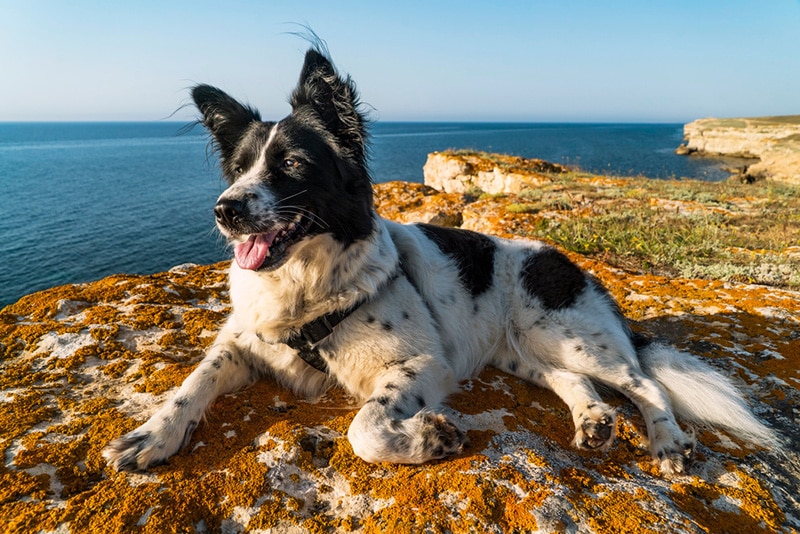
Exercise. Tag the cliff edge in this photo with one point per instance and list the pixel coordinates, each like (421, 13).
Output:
(82, 364)
(773, 141)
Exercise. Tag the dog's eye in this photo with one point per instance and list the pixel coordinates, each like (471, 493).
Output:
(238, 170)
(290, 163)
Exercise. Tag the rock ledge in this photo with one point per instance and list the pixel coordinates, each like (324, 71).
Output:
(774, 141)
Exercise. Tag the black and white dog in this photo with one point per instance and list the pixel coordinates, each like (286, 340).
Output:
(326, 292)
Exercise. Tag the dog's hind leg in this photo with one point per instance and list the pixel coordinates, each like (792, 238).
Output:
(224, 369)
(595, 421)
(670, 447)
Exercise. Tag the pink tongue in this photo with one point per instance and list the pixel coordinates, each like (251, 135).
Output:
(252, 253)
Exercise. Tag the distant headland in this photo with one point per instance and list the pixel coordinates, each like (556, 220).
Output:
(773, 141)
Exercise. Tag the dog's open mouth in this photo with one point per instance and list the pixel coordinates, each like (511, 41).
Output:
(267, 251)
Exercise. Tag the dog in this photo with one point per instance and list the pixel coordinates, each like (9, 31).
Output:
(325, 292)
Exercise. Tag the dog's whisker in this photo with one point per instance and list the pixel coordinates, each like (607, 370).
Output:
(293, 211)
(292, 196)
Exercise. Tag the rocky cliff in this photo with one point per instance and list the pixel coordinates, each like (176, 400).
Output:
(773, 141)
(82, 364)
(462, 172)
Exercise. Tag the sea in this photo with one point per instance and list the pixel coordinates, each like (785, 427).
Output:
(81, 201)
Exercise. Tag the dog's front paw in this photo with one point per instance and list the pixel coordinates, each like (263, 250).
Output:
(149, 445)
(595, 427)
(674, 456)
(440, 437)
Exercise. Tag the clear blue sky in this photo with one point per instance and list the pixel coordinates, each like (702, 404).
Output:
(581, 60)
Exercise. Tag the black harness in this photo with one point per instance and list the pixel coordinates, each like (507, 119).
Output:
(306, 340)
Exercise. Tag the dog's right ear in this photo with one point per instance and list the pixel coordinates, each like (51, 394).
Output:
(224, 117)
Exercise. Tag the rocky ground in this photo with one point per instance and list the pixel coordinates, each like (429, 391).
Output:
(81, 364)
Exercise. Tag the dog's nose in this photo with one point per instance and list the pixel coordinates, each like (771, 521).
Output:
(228, 211)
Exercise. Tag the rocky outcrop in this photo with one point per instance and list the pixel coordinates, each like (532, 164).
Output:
(82, 364)
(464, 172)
(773, 141)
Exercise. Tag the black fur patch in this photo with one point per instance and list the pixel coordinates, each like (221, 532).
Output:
(550, 277)
(472, 252)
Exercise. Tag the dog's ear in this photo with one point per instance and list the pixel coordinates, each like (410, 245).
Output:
(224, 117)
(334, 100)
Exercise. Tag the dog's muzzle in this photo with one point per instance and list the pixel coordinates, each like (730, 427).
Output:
(264, 245)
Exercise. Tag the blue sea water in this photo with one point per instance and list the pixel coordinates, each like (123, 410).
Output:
(80, 201)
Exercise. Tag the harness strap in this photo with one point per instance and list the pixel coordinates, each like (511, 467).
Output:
(308, 337)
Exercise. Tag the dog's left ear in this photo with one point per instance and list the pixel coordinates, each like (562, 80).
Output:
(224, 117)
(333, 99)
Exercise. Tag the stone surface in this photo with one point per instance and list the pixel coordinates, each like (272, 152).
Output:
(82, 364)
(466, 172)
(773, 141)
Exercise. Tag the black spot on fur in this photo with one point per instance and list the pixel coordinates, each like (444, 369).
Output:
(398, 412)
(399, 362)
(409, 372)
(390, 386)
(472, 252)
(386, 325)
(406, 316)
(513, 366)
(535, 375)
(633, 383)
(399, 442)
(420, 401)
(370, 319)
(180, 402)
(550, 277)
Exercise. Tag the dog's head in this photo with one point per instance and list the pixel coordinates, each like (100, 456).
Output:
(292, 180)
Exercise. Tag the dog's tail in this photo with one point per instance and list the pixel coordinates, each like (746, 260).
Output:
(701, 394)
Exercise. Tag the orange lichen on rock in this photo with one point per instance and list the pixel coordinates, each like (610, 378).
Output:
(83, 364)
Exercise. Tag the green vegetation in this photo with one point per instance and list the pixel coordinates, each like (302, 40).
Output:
(728, 231)
(733, 231)
(522, 207)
